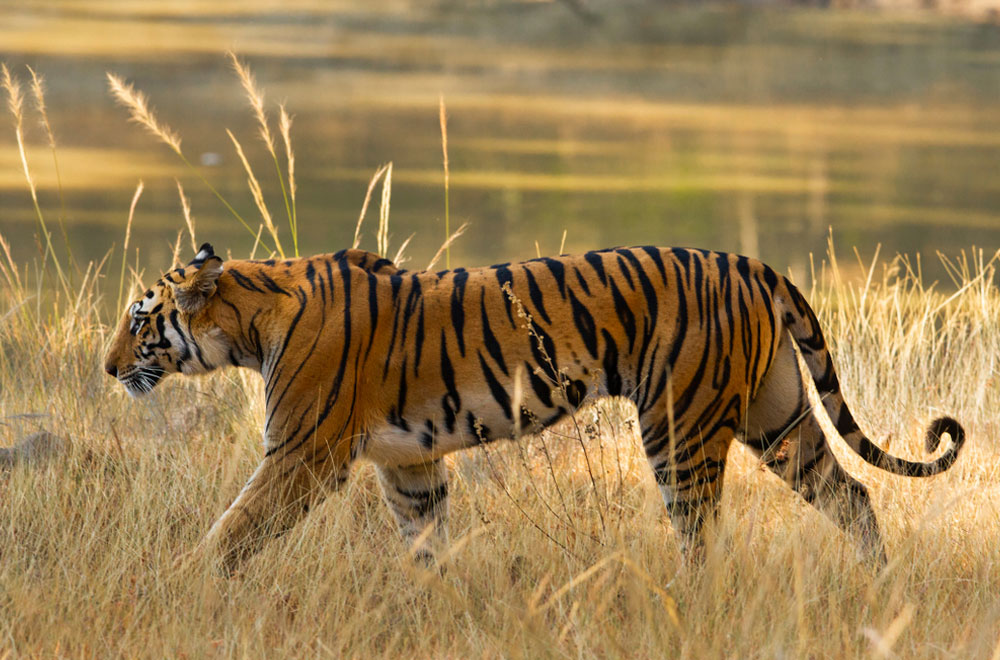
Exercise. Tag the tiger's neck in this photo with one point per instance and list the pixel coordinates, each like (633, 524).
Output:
(299, 323)
(252, 321)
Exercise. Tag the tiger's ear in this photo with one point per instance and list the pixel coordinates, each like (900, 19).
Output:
(204, 252)
(192, 293)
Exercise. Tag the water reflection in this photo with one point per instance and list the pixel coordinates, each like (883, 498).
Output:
(754, 131)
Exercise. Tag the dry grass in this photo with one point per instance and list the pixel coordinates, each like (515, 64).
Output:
(561, 547)
(544, 563)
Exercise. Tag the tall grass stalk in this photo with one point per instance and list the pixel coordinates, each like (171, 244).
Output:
(15, 103)
(399, 259)
(188, 218)
(140, 113)
(446, 245)
(285, 125)
(443, 119)
(364, 205)
(258, 195)
(38, 94)
(128, 233)
(382, 238)
(256, 98)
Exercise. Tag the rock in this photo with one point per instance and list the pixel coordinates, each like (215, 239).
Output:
(32, 450)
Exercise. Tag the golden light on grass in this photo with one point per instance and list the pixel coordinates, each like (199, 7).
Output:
(139, 112)
(38, 94)
(364, 205)
(285, 124)
(11, 272)
(446, 245)
(256, 98)
(15, 103)
(399, 259)
(128, 234)
(188, 218)
(382, 237)
(257, 194)
(443, 120)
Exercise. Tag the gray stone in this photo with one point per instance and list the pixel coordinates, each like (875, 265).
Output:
(33, 449)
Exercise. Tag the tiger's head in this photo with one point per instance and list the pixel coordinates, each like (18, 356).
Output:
(169, 328)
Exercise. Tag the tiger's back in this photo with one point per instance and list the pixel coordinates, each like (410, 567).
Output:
(610, 323)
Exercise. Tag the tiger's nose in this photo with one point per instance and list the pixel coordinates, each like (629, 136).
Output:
(112, 370)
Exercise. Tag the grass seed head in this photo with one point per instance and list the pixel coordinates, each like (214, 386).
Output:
(140, 112)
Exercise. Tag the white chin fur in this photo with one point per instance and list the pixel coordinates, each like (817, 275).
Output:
(134, 391)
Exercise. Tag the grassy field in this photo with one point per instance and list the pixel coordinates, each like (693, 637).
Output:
(561, 546)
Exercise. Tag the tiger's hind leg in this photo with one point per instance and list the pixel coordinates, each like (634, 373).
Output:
(689, 472)
(783, 430)
(417, 495)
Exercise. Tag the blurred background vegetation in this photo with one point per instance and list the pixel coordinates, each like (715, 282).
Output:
(753, 127)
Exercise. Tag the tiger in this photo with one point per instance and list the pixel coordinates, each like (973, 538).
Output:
(363, 360)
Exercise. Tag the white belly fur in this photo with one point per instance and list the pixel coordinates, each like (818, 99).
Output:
(391, 445)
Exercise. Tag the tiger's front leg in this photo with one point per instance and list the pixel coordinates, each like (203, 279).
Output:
(417, 495)
(278, 494)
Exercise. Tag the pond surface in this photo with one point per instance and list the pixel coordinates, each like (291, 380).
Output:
(752, 131)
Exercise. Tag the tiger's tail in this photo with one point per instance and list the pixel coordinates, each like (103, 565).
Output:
(804, 327)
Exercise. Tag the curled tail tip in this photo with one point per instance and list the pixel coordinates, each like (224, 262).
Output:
(939, 427)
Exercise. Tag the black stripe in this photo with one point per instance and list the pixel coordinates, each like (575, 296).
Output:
(271, 285)
(612, 378)
(624, 270)
(311, 275)
(583, 282)
(538, 384)
(654, 254)
(698, 286)
(490, 339)
(597, 263)
(681, 323)
(244, 281)
(419, 339)
(425, 501)
(625, 315)
(458, 309)
(558, 272)
(451, 402)
(585, 325)
(477, 429)
(372, 311)
(647, 287)
(504, 276)
(543, 350)
(412, 300)
(496, 389)
(380, 264)
(536, 296)
(576, 393)
(288, 338)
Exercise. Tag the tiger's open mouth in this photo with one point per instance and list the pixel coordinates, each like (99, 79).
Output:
(141, 380)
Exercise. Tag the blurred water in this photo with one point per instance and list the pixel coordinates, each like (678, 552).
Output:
(753, 131)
